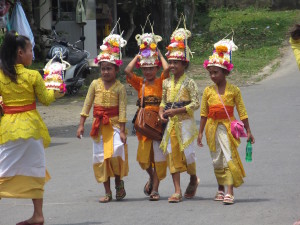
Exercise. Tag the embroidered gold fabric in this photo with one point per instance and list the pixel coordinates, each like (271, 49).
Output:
(185, 90)
(30, 85)
(231, 97)
(114, 96)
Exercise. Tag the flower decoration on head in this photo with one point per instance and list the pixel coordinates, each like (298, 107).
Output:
(110, 50)
(148, 53)
(178, 48)
(221, 56)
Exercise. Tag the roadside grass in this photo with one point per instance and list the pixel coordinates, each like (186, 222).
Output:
(258, 33)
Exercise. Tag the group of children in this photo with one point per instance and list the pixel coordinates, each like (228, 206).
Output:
(175, 97)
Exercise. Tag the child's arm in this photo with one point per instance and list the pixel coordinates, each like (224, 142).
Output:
(249, 134)
(174, 112)
(129, 68)
(88, 102)
(203, 114)
(122, 133)
(201, 129)
(80, 130)
(164, 64)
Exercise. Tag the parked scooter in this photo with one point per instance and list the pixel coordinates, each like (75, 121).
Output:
(75, 75)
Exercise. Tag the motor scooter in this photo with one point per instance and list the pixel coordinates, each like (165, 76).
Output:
(75, 75)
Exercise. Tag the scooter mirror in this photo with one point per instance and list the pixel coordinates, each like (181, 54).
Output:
(82, 38)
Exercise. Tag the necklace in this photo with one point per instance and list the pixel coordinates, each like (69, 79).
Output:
(175, 88)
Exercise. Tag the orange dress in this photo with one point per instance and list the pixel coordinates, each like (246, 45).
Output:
(148, 152)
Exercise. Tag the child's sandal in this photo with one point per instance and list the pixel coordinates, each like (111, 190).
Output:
(120, 191)
(106, 198)
(219, 196)
(175, 198)
(228, 199)
(154, 196)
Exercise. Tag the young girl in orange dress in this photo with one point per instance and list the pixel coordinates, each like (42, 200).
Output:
(108, 95)
(23, 134)
(223, 146)
(149, 155)
(179, 101)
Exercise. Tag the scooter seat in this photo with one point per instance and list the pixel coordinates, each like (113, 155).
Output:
(76, 56)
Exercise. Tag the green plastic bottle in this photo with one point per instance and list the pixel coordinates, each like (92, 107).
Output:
(249, 151)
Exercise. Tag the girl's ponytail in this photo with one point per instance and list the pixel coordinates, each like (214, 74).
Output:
(9, 51)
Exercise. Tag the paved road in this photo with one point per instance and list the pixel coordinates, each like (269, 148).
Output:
(270, 195)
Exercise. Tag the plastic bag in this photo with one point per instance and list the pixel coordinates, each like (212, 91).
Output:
(80, 13)
(19, 23)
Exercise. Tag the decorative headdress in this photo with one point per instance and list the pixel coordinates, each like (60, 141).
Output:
(110, 50)
(221, 56)
(178, 48)
(148, 53)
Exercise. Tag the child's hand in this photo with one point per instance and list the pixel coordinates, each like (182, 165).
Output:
(199, 140)
(161, 116)
(80, 131)
(123, 137)
(250, 136)
(169, 113)
(58, 94)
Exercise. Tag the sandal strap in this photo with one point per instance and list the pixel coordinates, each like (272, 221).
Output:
(154, 193)
(229, 196)
(120, 186)
(176, 195)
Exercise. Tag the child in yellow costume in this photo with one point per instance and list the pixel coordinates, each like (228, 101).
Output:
(179, 101)
(110, 157)
(228, 167)
(23, 134)
(149, 155)
(295, 43)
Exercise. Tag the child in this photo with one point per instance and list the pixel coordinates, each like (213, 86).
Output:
(149, 155)
(228, 167)
(24, 136)
(108, 130)
(295, 43)
(179, 101)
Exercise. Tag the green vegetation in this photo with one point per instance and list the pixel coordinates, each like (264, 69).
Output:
(259, 34)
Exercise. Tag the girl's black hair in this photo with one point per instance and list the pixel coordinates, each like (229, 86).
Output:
(295, 33)
(9, 51)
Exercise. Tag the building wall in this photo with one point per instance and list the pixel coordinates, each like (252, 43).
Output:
(69, 29)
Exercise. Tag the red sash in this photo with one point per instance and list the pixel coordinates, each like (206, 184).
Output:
(102, 113)
(217, 112)
(18, 109)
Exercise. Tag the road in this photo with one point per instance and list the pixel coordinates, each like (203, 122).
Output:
(270, 195)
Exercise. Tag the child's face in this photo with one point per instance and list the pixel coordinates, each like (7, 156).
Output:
(177, 67)
(216, 74)
(108, 71)
(149, 72)
(25, 55)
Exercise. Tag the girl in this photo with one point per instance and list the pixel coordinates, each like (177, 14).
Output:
(179, 101)
(295, 42)
(24, 136)
(149, 155)
(108, 131)
(228, 167)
